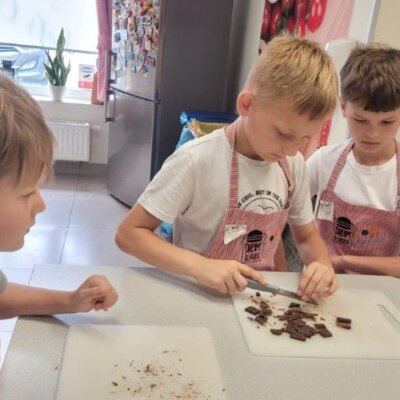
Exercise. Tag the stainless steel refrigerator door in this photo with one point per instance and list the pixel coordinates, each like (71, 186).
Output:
(130, 145)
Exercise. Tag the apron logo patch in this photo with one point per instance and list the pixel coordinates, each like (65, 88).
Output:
(253, 246)
(344, 231)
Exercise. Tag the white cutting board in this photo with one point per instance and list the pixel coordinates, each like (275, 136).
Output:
(375, 332)
(144, 362)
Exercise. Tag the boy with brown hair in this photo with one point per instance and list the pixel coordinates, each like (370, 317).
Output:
(357, 182)
(230, 193)
(26, 156)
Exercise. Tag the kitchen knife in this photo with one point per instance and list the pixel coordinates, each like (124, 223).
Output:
(276, 290)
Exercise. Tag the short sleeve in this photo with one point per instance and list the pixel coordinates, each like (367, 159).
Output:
(3, 282)
(170, 192)
(301, 209)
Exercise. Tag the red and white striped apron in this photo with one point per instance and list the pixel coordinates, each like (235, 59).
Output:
(257, 245)
(353, 229)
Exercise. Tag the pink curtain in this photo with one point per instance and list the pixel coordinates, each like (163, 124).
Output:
(104, 18)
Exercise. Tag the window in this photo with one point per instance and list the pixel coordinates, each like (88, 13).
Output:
(27, 26)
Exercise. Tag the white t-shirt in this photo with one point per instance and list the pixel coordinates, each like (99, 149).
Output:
(192, 190)
(372, 186)
(3, 282)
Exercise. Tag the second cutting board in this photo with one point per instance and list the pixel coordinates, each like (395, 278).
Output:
(118, 362)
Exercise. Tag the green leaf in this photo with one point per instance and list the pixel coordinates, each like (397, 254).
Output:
(56, 71)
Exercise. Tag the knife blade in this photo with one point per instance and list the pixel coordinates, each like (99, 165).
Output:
(268, 287)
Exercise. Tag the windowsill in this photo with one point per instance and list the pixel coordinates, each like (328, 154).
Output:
(48, 99)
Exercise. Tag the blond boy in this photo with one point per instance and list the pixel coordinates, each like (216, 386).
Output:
(230, 193)
(26, 155)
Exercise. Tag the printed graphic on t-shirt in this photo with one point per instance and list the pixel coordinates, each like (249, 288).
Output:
(261, 202)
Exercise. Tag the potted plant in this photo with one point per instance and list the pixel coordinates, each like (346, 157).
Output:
(56, 70)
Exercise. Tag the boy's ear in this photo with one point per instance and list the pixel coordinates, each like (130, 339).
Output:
(244, 102)
(342, 106)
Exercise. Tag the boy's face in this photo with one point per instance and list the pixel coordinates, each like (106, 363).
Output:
(19, 205)
(372, 132)
(275, 130)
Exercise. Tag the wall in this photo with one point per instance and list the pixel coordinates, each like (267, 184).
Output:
(82, 112)
(245, 37)
(387, 24)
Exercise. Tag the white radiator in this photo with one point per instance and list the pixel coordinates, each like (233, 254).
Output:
(73, 140)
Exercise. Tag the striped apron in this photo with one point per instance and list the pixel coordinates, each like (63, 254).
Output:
(246, 236)
(353, 229)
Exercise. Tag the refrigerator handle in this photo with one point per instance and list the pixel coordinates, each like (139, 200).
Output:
(110, 61)
(111, 118)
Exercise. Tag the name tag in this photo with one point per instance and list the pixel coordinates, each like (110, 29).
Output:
(325, 210)
(233, 231)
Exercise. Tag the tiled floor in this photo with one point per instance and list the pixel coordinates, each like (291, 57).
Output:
(77, 227)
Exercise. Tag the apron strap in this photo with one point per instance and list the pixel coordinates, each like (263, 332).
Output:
(234, 177)
(283, 162)
(338, 167)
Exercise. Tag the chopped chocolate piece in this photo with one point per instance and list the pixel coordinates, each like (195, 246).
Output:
(342, 319)
(309, 331)
(298, 336)
(325, 333)
(343, 325)
(258, 294)
(290, 329)
(252, 310)
(261, 319)
(277, 332)
(294, 305)
(298, 322)
(320, 326)
(263, 304)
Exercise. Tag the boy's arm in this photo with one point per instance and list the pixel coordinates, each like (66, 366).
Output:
(319, 278)
(136, 236)
(95, 293)
(368, 265)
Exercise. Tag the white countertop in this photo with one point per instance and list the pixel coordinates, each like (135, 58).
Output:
(150, 297)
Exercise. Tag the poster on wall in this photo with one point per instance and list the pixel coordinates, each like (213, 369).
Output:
(318, 20)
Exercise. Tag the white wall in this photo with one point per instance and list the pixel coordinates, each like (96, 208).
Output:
(245, 37)
(387, 28)
(82, 112)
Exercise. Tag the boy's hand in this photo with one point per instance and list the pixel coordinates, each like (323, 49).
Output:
(226, 276)
(318, 280)
(96, 293)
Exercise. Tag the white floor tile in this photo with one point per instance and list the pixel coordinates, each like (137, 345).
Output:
(62, 182)
(97, 210)
(88, 183)
(43, 244)
(58, 208)
(85, 246)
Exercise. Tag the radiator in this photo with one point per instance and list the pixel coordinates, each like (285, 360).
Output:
(73, 140)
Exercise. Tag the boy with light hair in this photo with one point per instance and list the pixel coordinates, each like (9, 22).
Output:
(229, 194)
(26, 156)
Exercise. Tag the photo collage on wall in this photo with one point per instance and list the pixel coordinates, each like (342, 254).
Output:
(135, 34)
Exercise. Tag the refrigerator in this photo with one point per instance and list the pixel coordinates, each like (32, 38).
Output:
(167, 56)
